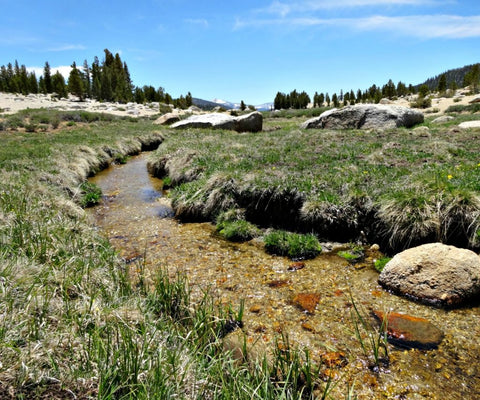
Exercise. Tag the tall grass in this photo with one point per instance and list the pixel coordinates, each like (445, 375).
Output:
(74, 320)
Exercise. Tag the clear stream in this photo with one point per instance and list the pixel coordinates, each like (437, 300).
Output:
(138, 222)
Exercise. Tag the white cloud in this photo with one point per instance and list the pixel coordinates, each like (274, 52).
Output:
(419, 26)
(197, 21)
(284, 9)
(67, 47)
(63, 69)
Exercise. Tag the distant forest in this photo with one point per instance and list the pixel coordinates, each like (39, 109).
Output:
(106, 81)
(468, 75)
(110, 80)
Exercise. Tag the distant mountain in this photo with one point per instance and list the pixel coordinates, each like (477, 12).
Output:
(453, 75)
(228, 105)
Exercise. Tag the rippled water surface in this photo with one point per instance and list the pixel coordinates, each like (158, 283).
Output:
(137, 220)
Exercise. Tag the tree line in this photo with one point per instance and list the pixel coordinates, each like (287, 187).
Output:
(108, 80)
(444, 82)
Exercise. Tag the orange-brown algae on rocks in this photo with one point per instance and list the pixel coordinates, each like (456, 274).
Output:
(307, 301)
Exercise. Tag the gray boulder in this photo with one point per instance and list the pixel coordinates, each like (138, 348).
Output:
(252, 122)
(469, 124)
(476, 99)
(442, 119)
(435, 274)
(167, 119)
(365, 116)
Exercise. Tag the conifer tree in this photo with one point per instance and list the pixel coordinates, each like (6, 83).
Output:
(75, 84)
(58, 84)
(47, 78)
(189, 100)
(95, 78)
(335, 101)
(32, 83)
(87, 82)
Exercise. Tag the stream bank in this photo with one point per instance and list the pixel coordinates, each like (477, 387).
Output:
(136, 219)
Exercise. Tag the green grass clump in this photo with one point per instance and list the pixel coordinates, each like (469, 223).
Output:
(238, 231)
(293, 245)
(380, 263)
(232, 226)
(91, 194)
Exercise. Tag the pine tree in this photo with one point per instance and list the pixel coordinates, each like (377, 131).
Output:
(321, 100)
(189, 100)
(75, 84)
(106, 93)
(32, 83)
(58, 85)
(87, 83)
(47, 78)
(139, 96)
(96, 76)
(335, 101)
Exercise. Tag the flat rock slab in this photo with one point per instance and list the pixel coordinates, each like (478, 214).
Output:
(434, 273)
(410, 332)
(167, 119)
(252, 122)
(469, 124)
(366, 116)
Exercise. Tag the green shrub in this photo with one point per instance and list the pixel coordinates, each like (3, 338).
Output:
(91, 194)
(31, 127)
(458, 108)
(422, 102)
(15, 122)
(293, 245)
(164, 108)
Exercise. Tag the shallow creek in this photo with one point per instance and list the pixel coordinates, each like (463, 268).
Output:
(138, 222)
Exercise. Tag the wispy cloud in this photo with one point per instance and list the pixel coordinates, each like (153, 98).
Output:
(197, 21)
(419, 26)
(67, 47)
(283, 9)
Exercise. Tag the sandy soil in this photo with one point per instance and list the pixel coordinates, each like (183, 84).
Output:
(12, 103)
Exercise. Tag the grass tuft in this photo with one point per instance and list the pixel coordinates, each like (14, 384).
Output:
(294, 245)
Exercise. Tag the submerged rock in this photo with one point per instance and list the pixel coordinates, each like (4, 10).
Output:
(307, 301)
(366, 116)
(245, 123)
(434, 273)
(410, 332)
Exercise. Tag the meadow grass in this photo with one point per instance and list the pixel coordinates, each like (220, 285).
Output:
(77, 322)
(399, 187)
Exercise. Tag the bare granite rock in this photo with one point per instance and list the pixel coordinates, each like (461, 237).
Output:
(167, 119)
(366, 116)
(469, 124)
(435, 274)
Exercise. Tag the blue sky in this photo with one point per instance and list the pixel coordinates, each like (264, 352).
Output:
(248, 50)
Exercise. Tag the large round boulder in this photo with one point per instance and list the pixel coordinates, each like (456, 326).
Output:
(435, 274)
(366, 116)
